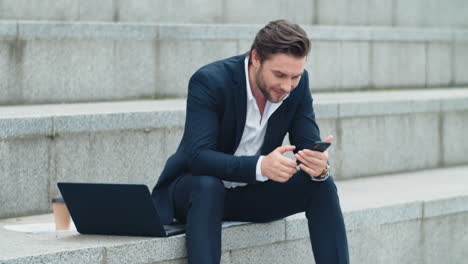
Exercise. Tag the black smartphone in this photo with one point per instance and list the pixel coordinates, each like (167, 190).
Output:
(318, 146)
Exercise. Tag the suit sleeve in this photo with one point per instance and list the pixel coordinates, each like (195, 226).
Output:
(304, 131)
(202, 128)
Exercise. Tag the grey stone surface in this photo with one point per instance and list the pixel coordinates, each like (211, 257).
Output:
(438, 13)
(461, 63)
(375, 216)
(396, 243)
(119, 116)
(389, 106)
(95, 117)
(398, 65)
(403, 193)
(113, 61)
(25, 126)
(148, 250)
(446, 206)
(337, 33)
(9, 48)
(380, 12)
(243, 46)
(301, 11)
(175, 74)
(122, 157)
(54, 246)
(87, 70)
(355, 65)
(324, 109)
(24, 175)
(323, 65)
(297, 227)
(39, 10)
(103, 10)
(411, 13)
(394, 144)
(8, 29)
(412, 34)
(6, 73)
(455, 102)
(135, 72)
(439, 64)
(34, 30)
(394, 234)
(225, 259)
(460, 34)
(455, 126)
(207, 31)
(89, 255)
(432, 13)
(121, 142)
(74, 70)
(150, 114)
(170, 11)
(297, 251)
(343, 12)
(247, 236)
(407, 14)
(442, 235)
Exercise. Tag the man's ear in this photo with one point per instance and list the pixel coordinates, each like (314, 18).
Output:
(255, 58)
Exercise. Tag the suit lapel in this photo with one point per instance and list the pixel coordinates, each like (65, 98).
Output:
(240, 100)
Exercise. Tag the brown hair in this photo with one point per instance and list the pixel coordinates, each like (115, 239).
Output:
(280, 36)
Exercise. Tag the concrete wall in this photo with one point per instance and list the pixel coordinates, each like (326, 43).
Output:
(409, 13)
(56, 62)
(375, 133)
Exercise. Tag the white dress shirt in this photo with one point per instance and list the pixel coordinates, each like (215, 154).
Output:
(254, 130)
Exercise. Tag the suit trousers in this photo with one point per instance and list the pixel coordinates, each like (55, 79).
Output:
(202, 203)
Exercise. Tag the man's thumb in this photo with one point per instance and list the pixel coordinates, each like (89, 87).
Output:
(328, 139)
(285, 148)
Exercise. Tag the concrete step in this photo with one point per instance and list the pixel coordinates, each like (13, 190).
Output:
(129, 142)
(417, 217)
(80, 62)
(419, 13)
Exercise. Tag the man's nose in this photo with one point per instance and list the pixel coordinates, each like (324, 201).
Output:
(286, 86)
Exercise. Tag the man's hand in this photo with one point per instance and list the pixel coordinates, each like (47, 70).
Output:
(313, 162)
(277, 167)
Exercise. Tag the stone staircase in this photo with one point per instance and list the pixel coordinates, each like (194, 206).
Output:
(400, 13)
(94, 92)
(417, 217)
(61, 62)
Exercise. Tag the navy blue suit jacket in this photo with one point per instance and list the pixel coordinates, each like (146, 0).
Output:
(215, 120)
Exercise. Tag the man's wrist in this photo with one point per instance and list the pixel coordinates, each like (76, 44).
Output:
(259, 176)
(323, 176)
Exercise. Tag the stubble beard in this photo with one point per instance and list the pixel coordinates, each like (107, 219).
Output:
(260, 82)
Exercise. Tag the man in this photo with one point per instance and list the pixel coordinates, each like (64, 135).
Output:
(230, 164)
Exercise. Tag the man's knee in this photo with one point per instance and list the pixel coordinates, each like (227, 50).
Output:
(208, 186)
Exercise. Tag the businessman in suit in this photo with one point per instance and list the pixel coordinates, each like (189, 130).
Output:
(230, 163)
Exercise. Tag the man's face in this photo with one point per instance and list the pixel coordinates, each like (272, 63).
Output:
(278, 76)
